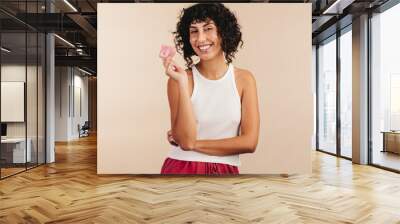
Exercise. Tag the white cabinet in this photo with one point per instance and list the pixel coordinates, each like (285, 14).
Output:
(18, 149)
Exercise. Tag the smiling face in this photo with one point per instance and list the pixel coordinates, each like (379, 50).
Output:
(205, 40)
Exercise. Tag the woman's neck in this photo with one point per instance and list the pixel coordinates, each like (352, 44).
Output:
(213, 69)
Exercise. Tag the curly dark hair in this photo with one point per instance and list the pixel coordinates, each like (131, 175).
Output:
(225, 21)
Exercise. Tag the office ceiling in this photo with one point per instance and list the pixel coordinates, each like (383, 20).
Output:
(79, 27)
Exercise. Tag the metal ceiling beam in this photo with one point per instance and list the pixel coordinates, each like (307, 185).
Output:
(84, 61)
(85, 25)
(321, 20)
(332, 28)
(337, 6)
(91, 5)
(16, 18)
(49, 22)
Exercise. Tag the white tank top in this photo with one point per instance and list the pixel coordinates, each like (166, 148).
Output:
(217, 108)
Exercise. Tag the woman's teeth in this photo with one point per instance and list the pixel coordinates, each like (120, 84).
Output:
(204, 48)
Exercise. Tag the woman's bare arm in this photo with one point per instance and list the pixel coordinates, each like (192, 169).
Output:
(247, 141)
(183, 122)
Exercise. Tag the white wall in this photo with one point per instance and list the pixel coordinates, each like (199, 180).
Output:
(80, 84)
(61, 103)
(68, 81)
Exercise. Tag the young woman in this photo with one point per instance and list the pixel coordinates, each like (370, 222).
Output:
(213, 105)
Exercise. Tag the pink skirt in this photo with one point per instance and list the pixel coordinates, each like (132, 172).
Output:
(174, 166)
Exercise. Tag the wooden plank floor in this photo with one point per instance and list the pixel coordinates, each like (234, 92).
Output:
(10, 171)
(69, 191)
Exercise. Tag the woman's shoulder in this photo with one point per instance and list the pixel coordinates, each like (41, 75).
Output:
(244, 75)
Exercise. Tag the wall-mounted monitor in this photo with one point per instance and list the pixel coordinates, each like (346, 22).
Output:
(12, 101)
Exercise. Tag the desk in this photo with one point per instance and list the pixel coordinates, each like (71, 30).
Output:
(391, 141)
(15, 148)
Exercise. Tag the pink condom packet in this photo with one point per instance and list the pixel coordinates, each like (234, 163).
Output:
(167, 51)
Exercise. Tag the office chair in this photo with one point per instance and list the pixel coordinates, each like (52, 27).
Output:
(84, 130)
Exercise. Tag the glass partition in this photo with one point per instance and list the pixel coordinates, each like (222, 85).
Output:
(31, 100)
(13, 95)
(346, 93)
(41, 109)
(22, 63)
(327, 96)
(385, 89)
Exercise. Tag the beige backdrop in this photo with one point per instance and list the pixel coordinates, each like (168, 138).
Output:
(133, 112)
